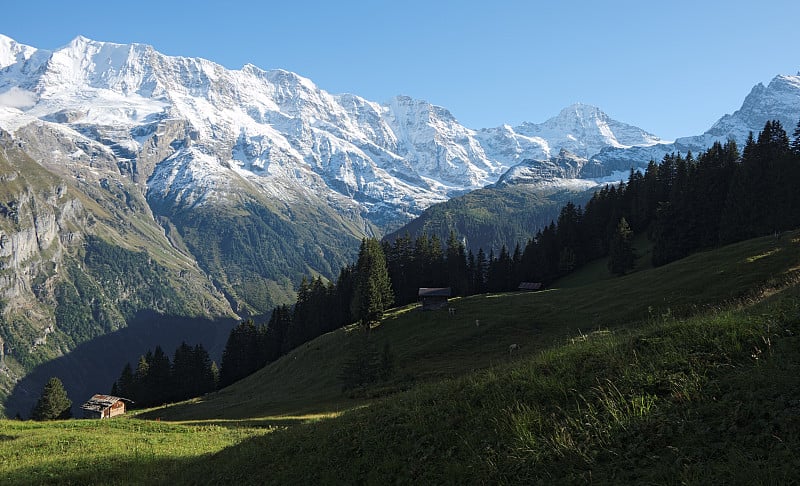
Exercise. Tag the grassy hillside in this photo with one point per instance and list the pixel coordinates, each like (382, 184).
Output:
(494, 216)
(684, 373)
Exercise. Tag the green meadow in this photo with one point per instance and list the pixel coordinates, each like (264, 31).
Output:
(682, 374)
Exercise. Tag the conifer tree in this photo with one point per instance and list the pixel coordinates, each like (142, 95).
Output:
(159, 378)
(621, 254)
(124, 386)
(275, 334)
(140, 392)
(241, 354)
(456, 263)
(479, 272)
(373, 289)
(53, 404)
(796, 141)
(205, 371)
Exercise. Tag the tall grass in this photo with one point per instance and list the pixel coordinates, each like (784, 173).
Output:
(118, 451)
(667, 376)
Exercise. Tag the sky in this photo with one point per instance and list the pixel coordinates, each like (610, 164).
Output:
(671, 68)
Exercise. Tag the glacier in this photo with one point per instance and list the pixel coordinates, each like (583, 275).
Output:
(275, 133)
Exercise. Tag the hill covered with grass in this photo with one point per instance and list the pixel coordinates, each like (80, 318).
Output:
(682, 373)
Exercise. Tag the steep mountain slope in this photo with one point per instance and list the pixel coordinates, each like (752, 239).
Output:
(307, 173)
(546, 176)
(230, 184)
(493, 217)
(80, 256)
(779, 100)
(583, 130)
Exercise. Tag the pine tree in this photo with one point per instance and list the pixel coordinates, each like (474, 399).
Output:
(53, 404)
(215, 375)
(621, 254)
(125, 384)
(205, 372)
(183, 373)
(159, 379)
(373, 290)
(796, 141)
(279, 323)
(479, 273)
(241, 354)
(140, 392)
(456, 264)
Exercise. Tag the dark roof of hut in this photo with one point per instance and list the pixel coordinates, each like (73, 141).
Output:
(98, 403)
(435, 292)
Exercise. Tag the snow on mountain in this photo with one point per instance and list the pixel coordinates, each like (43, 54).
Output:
(12, 52)
(780, 100)
(277, 133)
(565, 165)
(585, 130)
(276, 130)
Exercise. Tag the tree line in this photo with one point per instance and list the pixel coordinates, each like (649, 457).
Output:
(683, 204)
(360, 294)
(157, 380)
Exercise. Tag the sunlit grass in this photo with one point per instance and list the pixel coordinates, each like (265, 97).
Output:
(115, 451)
(681, 374)
(763, 255)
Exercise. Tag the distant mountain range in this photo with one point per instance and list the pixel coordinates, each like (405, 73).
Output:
(231, 184)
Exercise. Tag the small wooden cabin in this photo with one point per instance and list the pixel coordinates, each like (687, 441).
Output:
(530, 286)
(103, 406)
(434, 298)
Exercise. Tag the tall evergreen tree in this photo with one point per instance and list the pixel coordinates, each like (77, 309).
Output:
(621, 254)
(796, 140)
(53, 404)
(241, 354)
(480, 271)
(456, 264)
(159, 378)
(373, 289)
(275, 334)
(124, 386)
(141, 391)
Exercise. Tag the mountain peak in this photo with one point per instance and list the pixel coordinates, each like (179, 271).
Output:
(12, 51)
(581, 109)
(80, 40)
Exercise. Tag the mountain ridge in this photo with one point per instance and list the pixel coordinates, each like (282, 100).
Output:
(242, 181)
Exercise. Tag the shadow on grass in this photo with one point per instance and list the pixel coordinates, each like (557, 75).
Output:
(93, 366)
(112, 470)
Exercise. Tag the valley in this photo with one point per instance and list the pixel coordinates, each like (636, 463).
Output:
(590, 382)
(149, 200)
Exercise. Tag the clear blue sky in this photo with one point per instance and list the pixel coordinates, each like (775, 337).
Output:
(670, 67)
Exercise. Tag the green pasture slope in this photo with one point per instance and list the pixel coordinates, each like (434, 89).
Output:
(686, 373)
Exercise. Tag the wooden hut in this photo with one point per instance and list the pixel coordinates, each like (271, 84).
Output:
(103, 406)
(434, 298)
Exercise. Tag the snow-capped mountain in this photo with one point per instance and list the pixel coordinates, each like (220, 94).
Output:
(277, 131)
(583, 130)
(779, 100)
(317, 171)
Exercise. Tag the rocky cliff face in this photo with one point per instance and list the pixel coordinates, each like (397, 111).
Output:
(60, 282)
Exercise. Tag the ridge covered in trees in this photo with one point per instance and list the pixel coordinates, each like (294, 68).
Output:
(683, 204)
